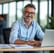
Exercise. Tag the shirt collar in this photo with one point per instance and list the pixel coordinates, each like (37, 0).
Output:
(23, 22)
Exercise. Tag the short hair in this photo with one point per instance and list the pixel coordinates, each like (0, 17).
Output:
(30, 5)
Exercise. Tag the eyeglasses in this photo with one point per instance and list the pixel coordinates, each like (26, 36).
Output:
(29, 12)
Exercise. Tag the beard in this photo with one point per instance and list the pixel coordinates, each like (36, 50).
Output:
(28, 19)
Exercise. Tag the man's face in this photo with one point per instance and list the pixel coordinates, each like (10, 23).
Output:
(29, 13)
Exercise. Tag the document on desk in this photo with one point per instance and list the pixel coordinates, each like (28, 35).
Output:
(4, 46)
(20, 46)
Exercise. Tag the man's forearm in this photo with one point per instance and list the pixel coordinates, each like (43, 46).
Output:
(19, 42)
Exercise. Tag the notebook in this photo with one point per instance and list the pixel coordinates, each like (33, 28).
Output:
(4, 46)
(20, 46)
(48, 39)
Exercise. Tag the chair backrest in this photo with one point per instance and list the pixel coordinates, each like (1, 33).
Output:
(6, 34)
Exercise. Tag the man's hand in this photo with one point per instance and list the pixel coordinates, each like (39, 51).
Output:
(34, 43)
(30, 42)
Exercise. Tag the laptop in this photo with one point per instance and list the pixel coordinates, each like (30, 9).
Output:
(48, 39)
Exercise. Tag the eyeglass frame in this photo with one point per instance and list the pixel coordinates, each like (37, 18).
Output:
(29, 12)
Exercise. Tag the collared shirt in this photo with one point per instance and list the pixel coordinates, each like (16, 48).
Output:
(21, 32)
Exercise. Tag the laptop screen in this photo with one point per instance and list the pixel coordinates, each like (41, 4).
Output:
(48, 39)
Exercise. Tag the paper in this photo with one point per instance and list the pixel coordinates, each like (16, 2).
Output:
(20, 46)
(4, 46)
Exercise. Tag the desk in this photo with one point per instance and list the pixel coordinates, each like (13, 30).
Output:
(28, 49)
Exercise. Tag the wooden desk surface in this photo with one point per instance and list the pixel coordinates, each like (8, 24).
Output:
(28, 49)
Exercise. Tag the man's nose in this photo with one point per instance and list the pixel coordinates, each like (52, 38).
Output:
(29, 14)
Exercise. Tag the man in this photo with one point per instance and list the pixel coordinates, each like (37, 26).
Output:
(2, 26)
(24, 31)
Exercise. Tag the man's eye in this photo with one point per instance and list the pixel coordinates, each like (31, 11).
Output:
(29, 12)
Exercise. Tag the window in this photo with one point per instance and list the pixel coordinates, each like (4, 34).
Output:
(43, 13)
(0, 8)
(49, 8)
(36, 12)
(12, 13)
(19, 9)
(5, 8)
(26, 2)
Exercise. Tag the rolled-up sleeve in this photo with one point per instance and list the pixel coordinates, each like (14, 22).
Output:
(39, 32)
(14, 33)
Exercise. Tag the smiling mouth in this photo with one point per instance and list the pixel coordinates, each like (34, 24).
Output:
(29, 17)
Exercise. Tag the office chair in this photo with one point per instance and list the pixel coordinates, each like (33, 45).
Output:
(6, 34)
